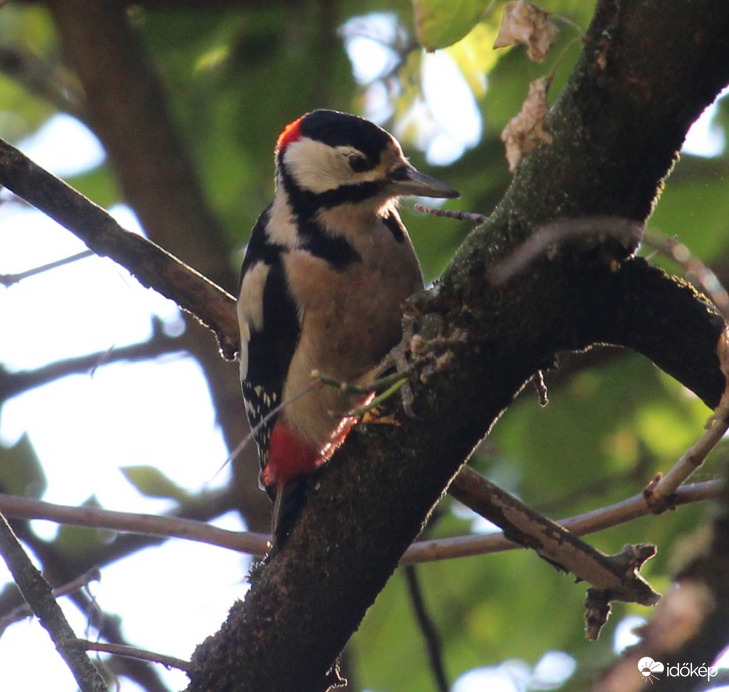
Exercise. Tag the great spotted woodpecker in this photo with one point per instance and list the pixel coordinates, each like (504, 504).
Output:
(327, 269)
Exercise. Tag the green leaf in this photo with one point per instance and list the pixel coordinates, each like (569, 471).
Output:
(150, 481)
(20, 470)
(82, 540)
(99, 185)
(440, 23)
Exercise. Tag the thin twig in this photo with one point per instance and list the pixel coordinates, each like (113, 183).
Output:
(160, 343)
(24, 611)
(546, 238)
(134, 652)
(10, 279)
(258, 543)
(50, 81)
(353, 388)
(469, 216)
(393, 382)
(37, 594)
(248, 439)
(375, 401)
(693, 267)
(659, 492)
(128, 522)
(580, 525)
(427, 627)
(148, 262)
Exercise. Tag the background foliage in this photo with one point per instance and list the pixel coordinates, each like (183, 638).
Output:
(234, 74)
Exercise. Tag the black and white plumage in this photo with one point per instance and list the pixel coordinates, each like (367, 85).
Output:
(327, 269)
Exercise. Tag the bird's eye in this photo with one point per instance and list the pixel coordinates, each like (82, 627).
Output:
(359, 163)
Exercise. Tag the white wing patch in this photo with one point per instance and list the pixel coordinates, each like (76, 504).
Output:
(250, 301)
(245, 337)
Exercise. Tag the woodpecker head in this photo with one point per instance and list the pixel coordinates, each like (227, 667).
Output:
(336, 158)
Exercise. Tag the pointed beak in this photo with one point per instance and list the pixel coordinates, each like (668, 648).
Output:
(408, 180)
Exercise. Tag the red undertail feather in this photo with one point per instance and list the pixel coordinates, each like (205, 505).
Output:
(290, 457)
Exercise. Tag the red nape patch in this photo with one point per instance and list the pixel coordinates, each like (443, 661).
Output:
(291, 133)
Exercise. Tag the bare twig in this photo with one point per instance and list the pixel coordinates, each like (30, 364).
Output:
(427, 627)
(37, 593)
(14, 383)
(10, 279)
(392, 383)
(693, 267)
(580, 525)
(170, 527)
(150, 264)
(385, 382)
(544, 241)
(23, 611)
(659, 492)
(248, 439)
(134, 652)
(51, 82)
(258, 543)
(469, 216)
(551, 541)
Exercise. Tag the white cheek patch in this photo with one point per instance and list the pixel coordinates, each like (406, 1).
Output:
(250, 302)
(320, 168)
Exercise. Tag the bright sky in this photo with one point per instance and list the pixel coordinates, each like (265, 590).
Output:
(86, 427)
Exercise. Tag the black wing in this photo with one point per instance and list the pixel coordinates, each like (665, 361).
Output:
(273, 336)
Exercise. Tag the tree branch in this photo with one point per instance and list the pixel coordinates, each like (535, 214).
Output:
(37, 594)
(13, 383)
(23, 611)
(550, 540)
(135, 653)
(258, 544)
(427, 628)
(127, 109)
(129, 522)
(149, 263)
(579, 525)
(691, 623)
